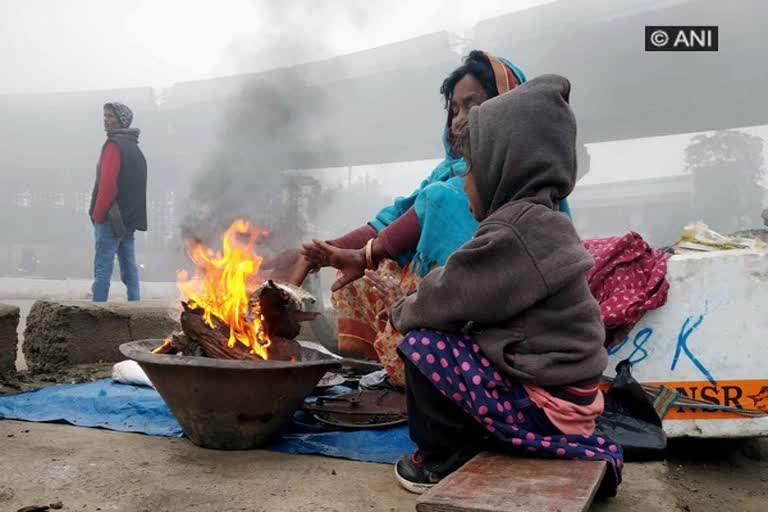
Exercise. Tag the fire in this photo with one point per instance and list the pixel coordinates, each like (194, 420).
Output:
(221, 283)
(162, 349)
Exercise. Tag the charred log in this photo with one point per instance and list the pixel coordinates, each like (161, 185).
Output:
(282, 349)
(183, 344)
(214, 342)
(279, 312)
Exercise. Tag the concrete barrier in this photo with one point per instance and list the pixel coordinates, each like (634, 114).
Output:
(32, 288)
(9, 322)
(62, 333)
(708, 342)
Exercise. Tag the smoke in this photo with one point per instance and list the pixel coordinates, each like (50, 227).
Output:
(221, 148)
(271, 126)
(246, 175)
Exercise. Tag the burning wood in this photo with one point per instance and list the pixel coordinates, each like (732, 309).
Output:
(229, 311)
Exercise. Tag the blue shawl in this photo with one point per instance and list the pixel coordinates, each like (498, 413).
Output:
(442, 208)
(443, 211)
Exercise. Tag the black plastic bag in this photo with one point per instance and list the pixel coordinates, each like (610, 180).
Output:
(630, 420)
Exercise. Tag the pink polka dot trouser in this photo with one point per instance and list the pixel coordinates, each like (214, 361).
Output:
(457, 368)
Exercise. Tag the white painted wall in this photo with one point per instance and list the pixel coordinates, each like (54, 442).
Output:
(718, 310)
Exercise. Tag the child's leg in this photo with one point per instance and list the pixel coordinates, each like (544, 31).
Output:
(447, 437)
(453, 391)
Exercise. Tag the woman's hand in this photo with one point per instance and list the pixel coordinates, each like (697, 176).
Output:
(289, 266)
(388, 290)
(350, 262)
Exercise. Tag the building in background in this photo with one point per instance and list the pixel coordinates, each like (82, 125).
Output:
(372, 107)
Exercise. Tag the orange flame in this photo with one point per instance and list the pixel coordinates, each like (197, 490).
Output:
(220, 285)
(162, 349)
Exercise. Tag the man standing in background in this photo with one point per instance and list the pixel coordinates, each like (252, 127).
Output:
(118, 203)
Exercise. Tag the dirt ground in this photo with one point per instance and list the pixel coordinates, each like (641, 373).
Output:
(723, 475)
(27, 381)
(89, 470)
(97, 470)
(92, 470)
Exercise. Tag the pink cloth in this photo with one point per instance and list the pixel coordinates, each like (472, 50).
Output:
(628, 279)
(568, 417)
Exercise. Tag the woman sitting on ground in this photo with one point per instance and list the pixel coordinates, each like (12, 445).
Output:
(413, 235)
(503, 345)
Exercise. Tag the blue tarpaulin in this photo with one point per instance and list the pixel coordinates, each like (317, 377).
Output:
(95, 404)
(125, 408)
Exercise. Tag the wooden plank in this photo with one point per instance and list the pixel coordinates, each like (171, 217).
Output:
(493, 482)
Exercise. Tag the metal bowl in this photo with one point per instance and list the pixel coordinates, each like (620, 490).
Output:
(226, 404)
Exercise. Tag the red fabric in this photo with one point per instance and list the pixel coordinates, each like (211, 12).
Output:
(402, 235)
(628, 279)
(110, 169)
(355, 239)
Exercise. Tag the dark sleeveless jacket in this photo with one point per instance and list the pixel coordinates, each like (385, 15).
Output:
(131, 182)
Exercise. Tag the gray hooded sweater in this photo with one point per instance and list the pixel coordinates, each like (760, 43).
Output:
(519, 286)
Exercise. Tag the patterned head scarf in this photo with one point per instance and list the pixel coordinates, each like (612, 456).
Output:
(507, 75)
(123, 113)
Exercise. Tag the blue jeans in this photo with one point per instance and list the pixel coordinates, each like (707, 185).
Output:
(107, 245)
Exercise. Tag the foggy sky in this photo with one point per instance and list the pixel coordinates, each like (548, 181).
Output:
(55, 46)
(50, 45)
(76, 45)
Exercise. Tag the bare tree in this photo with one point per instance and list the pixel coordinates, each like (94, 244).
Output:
(727, 167)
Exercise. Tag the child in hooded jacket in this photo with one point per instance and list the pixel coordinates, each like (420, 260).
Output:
(503, 344)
